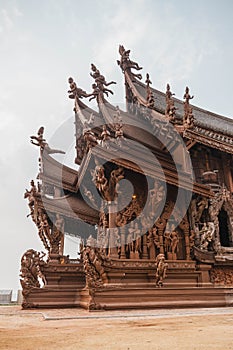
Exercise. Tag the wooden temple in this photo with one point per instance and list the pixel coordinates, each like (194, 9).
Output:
(150, 199)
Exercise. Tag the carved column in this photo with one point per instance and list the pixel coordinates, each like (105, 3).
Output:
(160, 233)
(184, 225)
(161, 247)
(160, 224)
(122, 230)
(112, 211)
(144, 247)
(187, 244)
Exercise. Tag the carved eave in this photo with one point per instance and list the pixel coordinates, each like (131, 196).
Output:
(58, 174)
(210, 129)
(210, 138)
(70, 206)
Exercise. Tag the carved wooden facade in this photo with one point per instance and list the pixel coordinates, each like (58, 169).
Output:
(171, 228)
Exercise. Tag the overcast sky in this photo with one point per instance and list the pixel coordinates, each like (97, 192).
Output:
(42, 43)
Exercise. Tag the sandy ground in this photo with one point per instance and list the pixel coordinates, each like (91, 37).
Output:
(75, 329)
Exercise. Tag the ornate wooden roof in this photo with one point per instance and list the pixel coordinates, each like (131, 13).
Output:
(154, 119)
(207, 128)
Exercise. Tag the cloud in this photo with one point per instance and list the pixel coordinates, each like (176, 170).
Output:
(7, 21)
(8, 16)
(17, 12)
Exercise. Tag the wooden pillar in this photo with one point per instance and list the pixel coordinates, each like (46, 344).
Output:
(122, 230)
(187, 244)
(161, 246)
(61, 248)
(112, 211)
(184, 225)
(227, 171)
(144, 247)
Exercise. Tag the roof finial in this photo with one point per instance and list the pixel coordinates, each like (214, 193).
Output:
(99, 87)
(75, 92)
(188, 119)
(41, 142)
(126, 64)
(170, 107)
(150, 97)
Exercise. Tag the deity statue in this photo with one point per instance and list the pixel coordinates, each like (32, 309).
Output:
(197, 207)
(152, 242)
(130, 244)
(118, 126)
(161, 269)
(167, 241)
(149, 94)
(188, 119)
(105, 136)
(207, 235)
(170, 107)
(137, 238)
(174, 243)
(89, 136)
(171, 240)
(156, 195)
(59, 224)
(187, 97)
(31, 195)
